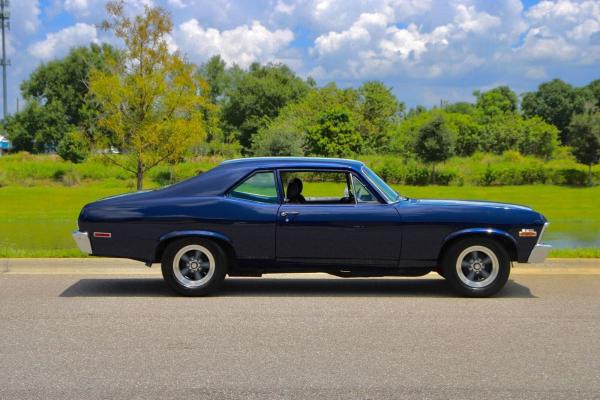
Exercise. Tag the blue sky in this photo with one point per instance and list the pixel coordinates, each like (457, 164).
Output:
(426, 50)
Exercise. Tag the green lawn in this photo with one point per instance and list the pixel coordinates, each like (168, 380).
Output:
(37, 221)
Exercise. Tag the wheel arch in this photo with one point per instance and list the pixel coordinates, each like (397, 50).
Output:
(225, 242)
(502, 237)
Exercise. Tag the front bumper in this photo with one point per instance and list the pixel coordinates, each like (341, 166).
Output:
(83, 241)
(540, 251)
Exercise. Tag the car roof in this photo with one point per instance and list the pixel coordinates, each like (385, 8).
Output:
(295, 162)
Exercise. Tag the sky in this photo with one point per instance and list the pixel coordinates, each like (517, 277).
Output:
(425, 50)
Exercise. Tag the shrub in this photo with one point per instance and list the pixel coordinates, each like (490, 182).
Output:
(72, 147)
(570, 176)
(71, 178)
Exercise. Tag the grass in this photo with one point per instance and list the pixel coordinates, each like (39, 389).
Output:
(37, 221)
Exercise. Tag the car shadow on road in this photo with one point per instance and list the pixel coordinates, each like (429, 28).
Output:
(256, 287)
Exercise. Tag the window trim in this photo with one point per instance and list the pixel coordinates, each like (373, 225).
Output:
(229, 191)
(371, 191)
(347, 172)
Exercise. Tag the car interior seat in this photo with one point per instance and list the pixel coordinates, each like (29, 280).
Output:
(294, 191)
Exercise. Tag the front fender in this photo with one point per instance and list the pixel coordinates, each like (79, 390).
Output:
(491, 232)
(480, 231)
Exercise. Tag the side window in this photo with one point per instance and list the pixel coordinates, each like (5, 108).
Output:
(361, 193)
(258, 187)
(317, 187)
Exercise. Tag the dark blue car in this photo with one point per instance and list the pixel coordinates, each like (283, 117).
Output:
(253, 216)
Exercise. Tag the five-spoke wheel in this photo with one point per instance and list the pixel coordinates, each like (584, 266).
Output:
(194, 267)
(476, 267)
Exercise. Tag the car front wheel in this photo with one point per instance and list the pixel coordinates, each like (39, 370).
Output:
(194, 267)
(476, 267)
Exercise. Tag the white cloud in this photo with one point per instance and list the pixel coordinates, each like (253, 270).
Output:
(241, 45)
(562, 31)
(78, 7)
(57, 44)
(25, 16)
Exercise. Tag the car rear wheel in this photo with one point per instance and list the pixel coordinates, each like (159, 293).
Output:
(194, 267)
(476, 267)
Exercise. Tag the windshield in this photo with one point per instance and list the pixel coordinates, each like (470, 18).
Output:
(389, 193)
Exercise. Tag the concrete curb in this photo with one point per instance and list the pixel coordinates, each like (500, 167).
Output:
(115, 266)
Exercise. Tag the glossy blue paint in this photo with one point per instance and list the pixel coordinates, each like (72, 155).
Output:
(481, 231)
(389, 236)
(194, 233)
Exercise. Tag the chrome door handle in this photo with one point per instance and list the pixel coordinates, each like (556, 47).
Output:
(288, 213)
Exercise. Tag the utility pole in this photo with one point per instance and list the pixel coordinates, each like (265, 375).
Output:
(5, 23)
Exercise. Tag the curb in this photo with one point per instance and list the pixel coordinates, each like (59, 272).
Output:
(116, 266)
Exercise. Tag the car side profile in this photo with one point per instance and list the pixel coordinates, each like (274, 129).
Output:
(253, 216)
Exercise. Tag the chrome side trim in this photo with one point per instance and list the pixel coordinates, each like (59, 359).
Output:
(540, 251)
(83, 241)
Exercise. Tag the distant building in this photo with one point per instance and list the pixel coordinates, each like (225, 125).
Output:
(5, 145)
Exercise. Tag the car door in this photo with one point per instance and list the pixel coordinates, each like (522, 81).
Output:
(351, 231)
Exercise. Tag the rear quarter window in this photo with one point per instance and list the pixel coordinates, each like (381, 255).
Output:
(259, 187)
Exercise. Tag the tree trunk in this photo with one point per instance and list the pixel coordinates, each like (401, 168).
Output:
(140, 175)
(433, 173)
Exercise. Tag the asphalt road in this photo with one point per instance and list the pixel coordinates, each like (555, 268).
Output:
(76, 337)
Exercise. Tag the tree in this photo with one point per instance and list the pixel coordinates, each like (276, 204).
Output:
(65, 80)
(56, 95)
(467, 132)
(585, 129)
(594, 89)
(280, 138)
(498, 101)
(461, 107)
(258, 97)
(537, 137)
(335, 134)
(555, 102)
(434, 143)
(380, 110)
(152, 100)
(37, 128)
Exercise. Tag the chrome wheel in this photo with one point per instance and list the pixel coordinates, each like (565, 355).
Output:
(477, 266)
(193, 265)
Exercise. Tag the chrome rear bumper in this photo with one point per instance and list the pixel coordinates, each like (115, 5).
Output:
(540, 251)
(83, 241)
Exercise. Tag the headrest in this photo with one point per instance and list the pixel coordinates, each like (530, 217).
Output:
(294, 188)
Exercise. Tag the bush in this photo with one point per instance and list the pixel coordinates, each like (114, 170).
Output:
(72, 147)
(570, 177)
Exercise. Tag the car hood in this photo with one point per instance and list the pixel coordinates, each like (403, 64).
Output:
(469, 204)
(467, 212)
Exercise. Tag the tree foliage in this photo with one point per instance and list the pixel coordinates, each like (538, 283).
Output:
(380, 110)
(498, 101)
(37, 128)
(152, 100)
(434, 143)
(585, 129)
(65, 80)
(555, 102)
(57, 101)
(335, 134)
(257, 97)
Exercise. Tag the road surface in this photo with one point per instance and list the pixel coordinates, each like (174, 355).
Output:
(120, 336)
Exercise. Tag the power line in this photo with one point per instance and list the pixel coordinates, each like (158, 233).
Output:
(5, 24)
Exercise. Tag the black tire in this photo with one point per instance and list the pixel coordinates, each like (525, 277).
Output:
(461, 282)
(190, 285)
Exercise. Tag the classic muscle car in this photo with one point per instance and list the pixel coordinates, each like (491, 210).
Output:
(252, 216)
